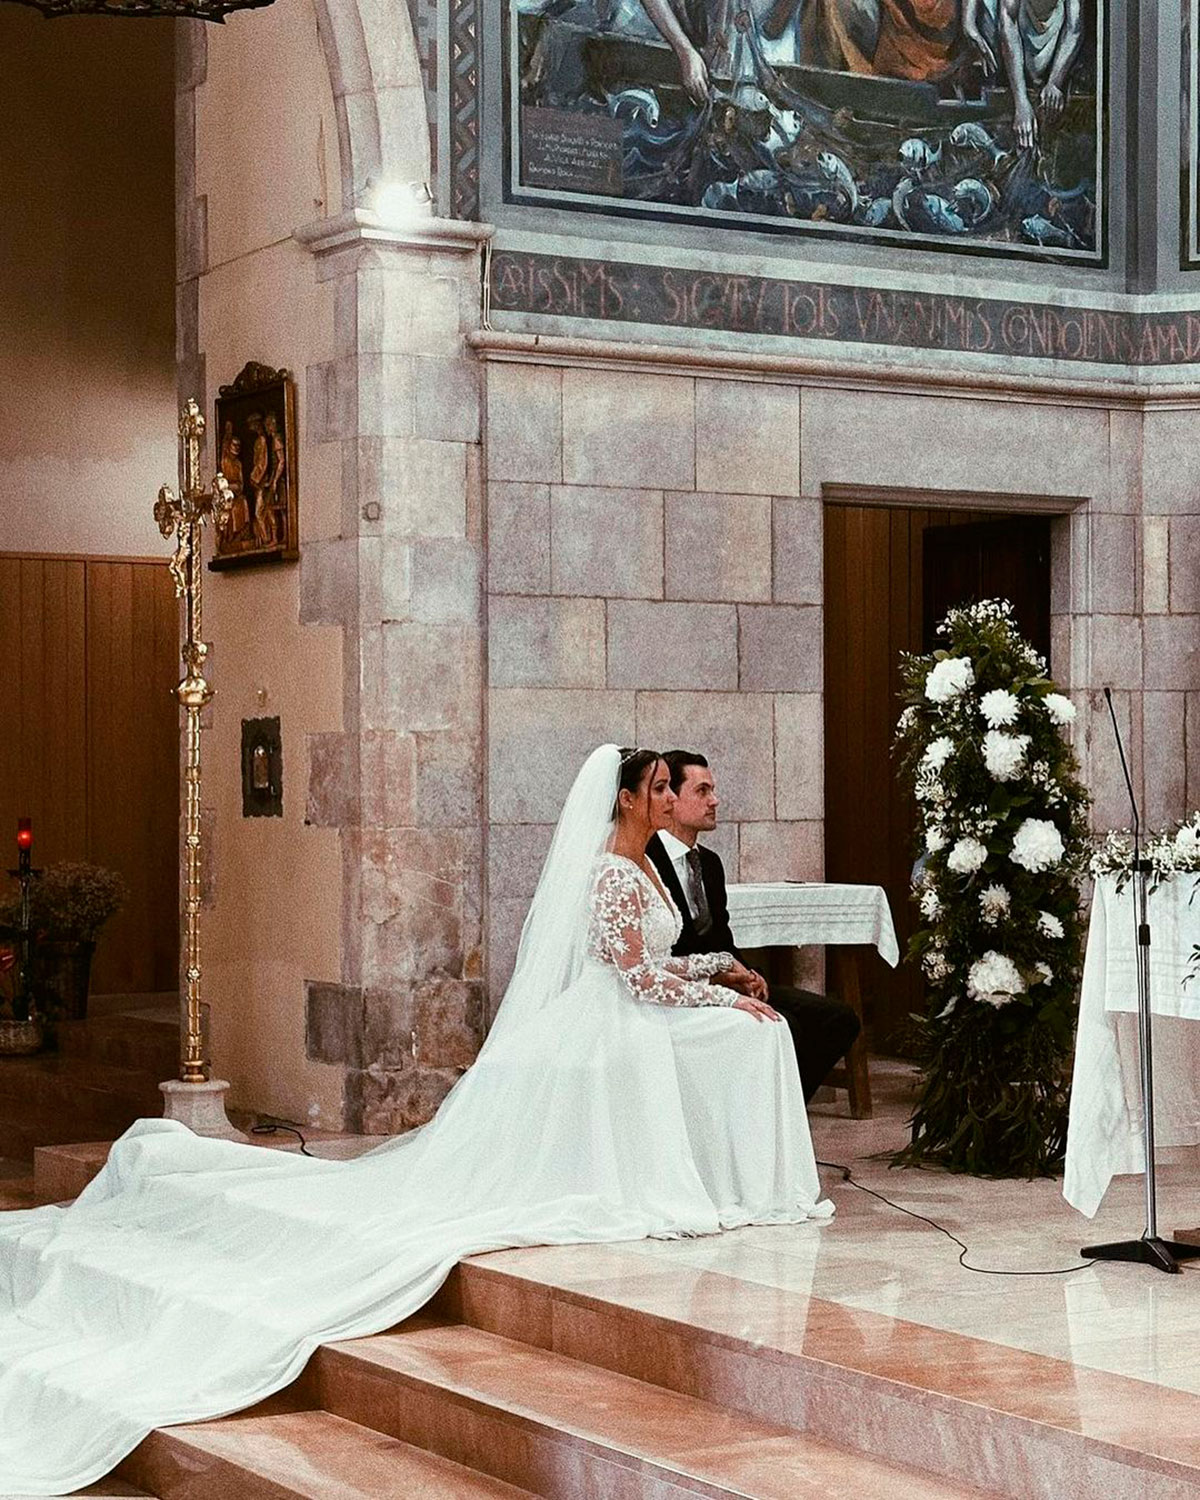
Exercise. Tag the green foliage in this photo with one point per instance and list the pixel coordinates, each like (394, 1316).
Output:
(1005, 842)
(69, 902)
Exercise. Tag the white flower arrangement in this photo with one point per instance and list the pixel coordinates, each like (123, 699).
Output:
(1170, 852)
(936, 756)
(994, 902)
(1060, 709)
(999, 707)
(949, 678)
(934, 963)
(1049, 925)
(995, 979)
(935, 839)
(930, 904)
(1004, 754)
(1038, 845)
(967, 856)
(1044, 973)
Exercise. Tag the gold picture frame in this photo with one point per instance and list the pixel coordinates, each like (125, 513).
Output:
(257, 452)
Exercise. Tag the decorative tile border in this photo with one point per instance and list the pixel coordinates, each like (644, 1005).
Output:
(464, 102)
(621, 292)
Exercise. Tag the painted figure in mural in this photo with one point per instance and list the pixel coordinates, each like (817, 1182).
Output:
(260, 464)
(266, 520)
(231, 467)
(1039, 42)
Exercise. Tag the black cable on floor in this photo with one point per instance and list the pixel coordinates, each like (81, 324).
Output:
(847, 1176)
(272, 1126)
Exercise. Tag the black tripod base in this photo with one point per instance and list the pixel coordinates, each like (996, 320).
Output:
(1150, 1250)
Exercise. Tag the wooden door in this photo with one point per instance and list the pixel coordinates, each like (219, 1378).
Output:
(882, 586)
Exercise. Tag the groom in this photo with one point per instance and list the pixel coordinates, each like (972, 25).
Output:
(822, 1028)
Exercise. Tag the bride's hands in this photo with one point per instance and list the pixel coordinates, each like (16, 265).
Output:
(745, 981)
(759, 1009)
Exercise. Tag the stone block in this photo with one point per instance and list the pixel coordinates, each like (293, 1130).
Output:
(1183, 568)
(779, 648)
(405, 868)
(421, 677)
(387, 774)
(516, 853)
(333, 1023)
(329, 582)
(1171, 462)
(1116, 651)
(418, 939)
(447, 399)
(747, 437)
(386, 395)
(387, 1102)
(718, 547)
(800, 756)
(518, 538)
(404, 310)
(626, 428)
(658, 645)
(448, 776)
(798, 541)
(539, 738)
(1070, 549)
(1192, 732)
(524, 423)
(554, 643)
(1164, 757)
(446, 586)
(734, 731)
(333, 781)
(1171, 651)
(1156, 553)
(1125, 458)
(961, 445)
(506, 916)
(724, 842)
(1114, 560)
(1099, 763)
(419, 486)
(607, 542)
(436, 1023)
(783, 851)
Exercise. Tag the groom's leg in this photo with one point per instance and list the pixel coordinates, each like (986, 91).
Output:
(823, 1030)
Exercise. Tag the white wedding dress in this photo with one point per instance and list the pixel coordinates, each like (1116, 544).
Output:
(196, 1276)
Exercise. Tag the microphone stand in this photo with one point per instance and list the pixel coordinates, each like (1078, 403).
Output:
(1151, 1249)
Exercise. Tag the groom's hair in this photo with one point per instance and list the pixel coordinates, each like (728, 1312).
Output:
(678, 761)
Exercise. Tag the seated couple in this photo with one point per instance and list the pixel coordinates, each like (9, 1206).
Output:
(822, 1028)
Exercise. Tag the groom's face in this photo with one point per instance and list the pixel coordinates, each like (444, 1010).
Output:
(696, 801)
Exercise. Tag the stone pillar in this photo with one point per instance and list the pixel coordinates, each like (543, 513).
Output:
(404, 782)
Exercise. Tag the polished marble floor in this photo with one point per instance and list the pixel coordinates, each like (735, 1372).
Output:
(1124, 1319)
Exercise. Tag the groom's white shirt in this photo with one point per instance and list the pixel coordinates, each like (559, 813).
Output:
(677, 853)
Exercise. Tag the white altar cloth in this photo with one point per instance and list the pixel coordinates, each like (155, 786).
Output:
(785, 913)
(1104, 1136)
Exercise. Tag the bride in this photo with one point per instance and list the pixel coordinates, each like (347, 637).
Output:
(621, 1093)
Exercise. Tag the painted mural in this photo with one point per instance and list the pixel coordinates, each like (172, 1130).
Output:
(976, 124)
(1189, 145)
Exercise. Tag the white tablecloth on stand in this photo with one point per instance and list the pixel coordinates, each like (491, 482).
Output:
(783, 913)
(1104, 1137)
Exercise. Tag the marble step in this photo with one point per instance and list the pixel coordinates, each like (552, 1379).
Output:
(299, 1455)
(562, 1429)
(50, 1099)
(1011, 1423)
(138, 1042)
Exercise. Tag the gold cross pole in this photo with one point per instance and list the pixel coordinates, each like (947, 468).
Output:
(185, 516)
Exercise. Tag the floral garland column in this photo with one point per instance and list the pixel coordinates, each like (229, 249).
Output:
(1003, 846)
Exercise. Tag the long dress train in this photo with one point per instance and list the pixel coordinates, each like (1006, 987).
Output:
(195, 1276)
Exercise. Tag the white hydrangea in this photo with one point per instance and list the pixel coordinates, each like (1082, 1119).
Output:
(935, 839)
(948, 678)
(999, 707)
(936, 756)
(906, 720)
(1049, 925)
(1060, 708)
(931, 904)
(1044, 973)
(935, 965)
(1004, 754)
(1187, 843)
(995, 978)
(1037, 845)
(967, 856)
(994, 902)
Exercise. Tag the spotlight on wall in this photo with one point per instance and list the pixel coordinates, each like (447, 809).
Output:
(399, 203)
(192, 10)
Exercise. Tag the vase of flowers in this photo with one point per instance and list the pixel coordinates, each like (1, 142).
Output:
(69, 905)
(21, 1030)
(1003, 845)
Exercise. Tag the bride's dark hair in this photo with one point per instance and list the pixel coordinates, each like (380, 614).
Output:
(634, 764)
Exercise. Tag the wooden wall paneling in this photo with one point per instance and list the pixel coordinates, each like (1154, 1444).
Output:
(63, 832)
(10, 699)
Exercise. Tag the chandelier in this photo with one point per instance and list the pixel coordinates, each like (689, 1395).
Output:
(194, 10)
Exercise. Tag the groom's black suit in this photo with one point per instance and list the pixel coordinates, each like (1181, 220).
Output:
(822, 1028)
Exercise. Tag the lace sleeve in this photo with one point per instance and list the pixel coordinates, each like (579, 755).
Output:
(616, 938)
(699, 965)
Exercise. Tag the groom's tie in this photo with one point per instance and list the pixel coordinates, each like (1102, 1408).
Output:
(697, 895)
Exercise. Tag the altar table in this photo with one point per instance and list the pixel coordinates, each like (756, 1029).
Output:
(789, 913)
(1104, 1137)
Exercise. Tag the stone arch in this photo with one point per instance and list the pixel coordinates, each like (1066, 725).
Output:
(379, 93)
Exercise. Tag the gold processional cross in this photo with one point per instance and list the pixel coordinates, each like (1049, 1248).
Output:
(185, 515)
